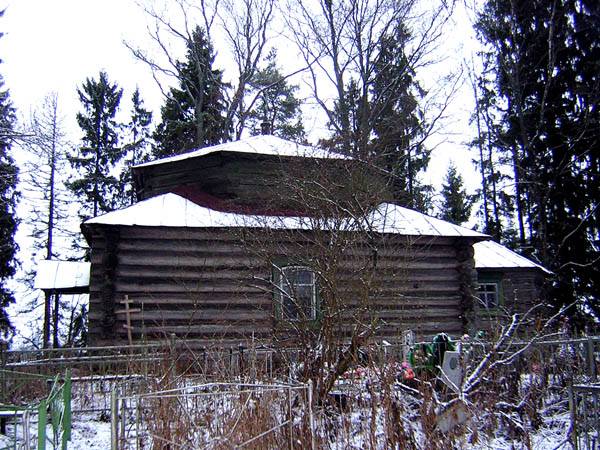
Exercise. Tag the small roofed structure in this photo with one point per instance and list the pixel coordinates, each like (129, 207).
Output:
(506, 279)
(63, 277)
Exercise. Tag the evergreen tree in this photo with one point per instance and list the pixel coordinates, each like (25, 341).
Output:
(97, 187)
(456, 205)
(276, 103)
(193, 114)
(8, 203)
(384, 122)
(399, 122)
(136, 150)
(545, 57)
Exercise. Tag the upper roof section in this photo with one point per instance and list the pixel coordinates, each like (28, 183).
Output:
(250, 173)
(171, 210)
(258, 145)
(491, 255)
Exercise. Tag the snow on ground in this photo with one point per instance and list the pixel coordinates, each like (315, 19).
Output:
(89, 433)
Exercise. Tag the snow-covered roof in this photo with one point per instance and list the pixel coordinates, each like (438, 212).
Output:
(261, 144)
(172, 210)
(491, 255)
(65, 275)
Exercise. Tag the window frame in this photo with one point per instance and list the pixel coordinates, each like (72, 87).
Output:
(281, 293)
(483, 296)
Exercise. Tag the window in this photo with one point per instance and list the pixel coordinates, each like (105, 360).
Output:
(297, 293)
(488, 295)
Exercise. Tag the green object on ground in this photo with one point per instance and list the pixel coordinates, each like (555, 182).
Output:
(429, 356)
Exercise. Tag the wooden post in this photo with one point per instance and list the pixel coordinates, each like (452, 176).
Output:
(311, 418)
(114, 419)
(128, 320)
(290, 419)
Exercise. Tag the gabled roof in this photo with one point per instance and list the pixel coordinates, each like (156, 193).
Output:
(172, 210)
(491, 255)
(259, 145)
(63, 276)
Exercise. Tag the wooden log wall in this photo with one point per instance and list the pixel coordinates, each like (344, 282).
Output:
(202, 284)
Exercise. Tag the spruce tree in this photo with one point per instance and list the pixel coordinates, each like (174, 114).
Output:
(8, 204)
(399, 122)
(456, 205)
(193, 114)
(546, 80)
(385, 124)
(276, 103)
(136, 149)
(96, 186)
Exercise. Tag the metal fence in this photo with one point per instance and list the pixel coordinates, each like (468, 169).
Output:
(51, 413)
(215, 416)
(584, 403)
(137, 370)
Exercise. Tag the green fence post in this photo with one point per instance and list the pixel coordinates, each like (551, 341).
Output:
(66, 422)
(42, 425)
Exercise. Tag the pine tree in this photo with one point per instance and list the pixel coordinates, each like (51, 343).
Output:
(8, 203)
(136, 150)
(97, 187)
(193, 114)
(547, 80)
(456, 205)
(276, 103)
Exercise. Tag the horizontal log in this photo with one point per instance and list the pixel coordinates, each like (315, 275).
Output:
(123, 288)
(216, 246)
(277, 237)
(222, 315)
(214, 330)
(202, 300)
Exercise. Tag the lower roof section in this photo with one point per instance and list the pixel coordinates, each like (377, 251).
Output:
(172, 210)
(491, 255)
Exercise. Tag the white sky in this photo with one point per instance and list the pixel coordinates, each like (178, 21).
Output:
(52, 46)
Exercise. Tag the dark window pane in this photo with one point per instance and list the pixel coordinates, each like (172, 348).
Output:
(297, 286)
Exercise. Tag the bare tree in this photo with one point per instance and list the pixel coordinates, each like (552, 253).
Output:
(321, 298)
(45, 188)
(341, 42)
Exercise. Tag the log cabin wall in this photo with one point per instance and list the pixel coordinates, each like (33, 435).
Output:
(257, 183)
(202, 284)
